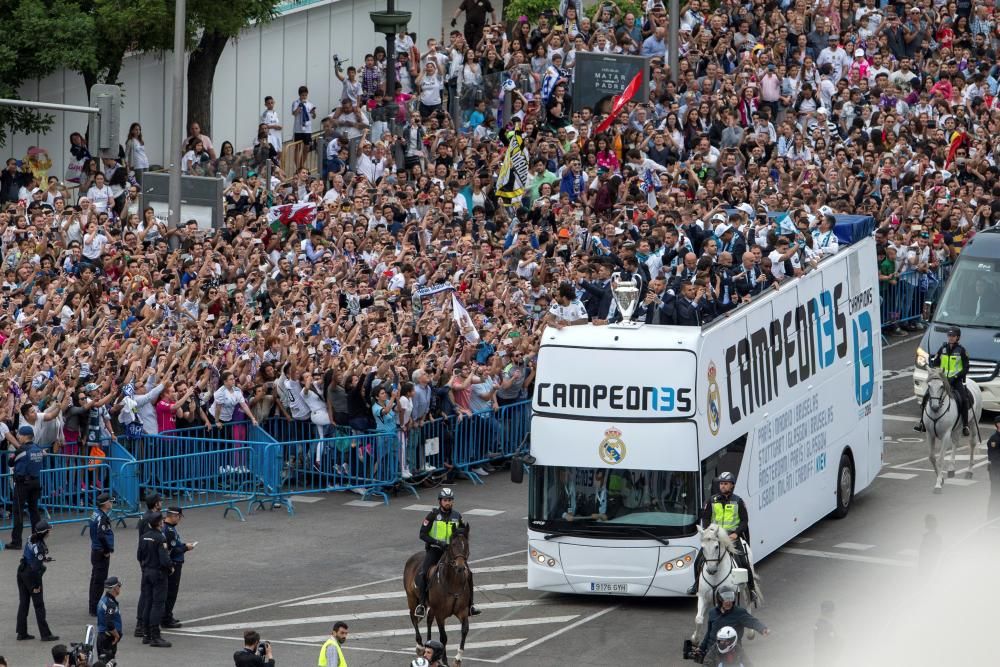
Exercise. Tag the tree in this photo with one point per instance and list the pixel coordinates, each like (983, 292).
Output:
(40, 36)
(121, 26)
(219, 22)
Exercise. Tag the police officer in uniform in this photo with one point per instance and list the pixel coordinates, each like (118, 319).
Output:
(29, 583)
(993, 455)
(155, 570)
(177, 548)
(102, 545)
(435, 532)
(153, 505)
(109, 620)
(729, 512)
(953, 361)
(26, 462)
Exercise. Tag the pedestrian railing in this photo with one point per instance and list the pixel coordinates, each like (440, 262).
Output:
(241, 464)
(902, 301)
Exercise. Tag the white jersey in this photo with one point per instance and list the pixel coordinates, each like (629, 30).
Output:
(571, 313)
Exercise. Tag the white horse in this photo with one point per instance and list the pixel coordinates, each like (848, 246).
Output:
(943, 423)
(720, 553)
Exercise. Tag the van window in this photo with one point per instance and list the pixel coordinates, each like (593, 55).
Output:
(972, 295)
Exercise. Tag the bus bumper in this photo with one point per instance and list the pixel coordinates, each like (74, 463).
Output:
(565, 567)
(990, 389)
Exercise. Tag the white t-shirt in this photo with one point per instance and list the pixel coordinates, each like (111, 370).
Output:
(405, 411)
(302, 125)
(571, 313)
(95, 247)
(100, 197)
(430, 90)
(227, 401)
(270, 117)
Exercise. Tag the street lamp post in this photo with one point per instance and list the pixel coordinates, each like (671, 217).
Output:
(177, 120)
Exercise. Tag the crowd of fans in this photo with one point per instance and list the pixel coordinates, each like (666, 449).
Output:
(113, 323)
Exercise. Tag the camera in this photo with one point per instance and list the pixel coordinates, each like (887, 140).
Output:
(691, 652)
(262, 647)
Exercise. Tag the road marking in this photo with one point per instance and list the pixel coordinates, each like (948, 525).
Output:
(897, 475)
(905, 400)
(495, 643)
(854, 546)
(802, 540)
(420, 508)
(838, 556)
(553, 635)
(342, 589)
(454, 627)
(364, 503)
(290, 642)
(888, 375)
(909, 553)
(306, 499)
(908, 339)
(957, 481)
(899, 418)
(389, 613)
(500, 568)
(481, 512)
(394, 594)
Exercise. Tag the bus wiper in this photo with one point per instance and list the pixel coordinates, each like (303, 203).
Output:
(662, 540)
(575, 531)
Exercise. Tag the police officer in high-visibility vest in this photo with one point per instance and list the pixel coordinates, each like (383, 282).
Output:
(102, 545)
(331, 654)
(728, 511)
(953, 361)
(993, 456)
(435, 532)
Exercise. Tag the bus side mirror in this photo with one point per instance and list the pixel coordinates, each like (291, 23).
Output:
(517, 466)
(928, 311)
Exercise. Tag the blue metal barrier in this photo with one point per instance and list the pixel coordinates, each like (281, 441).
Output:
(220, 472)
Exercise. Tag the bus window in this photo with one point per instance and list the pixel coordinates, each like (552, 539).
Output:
(727, 459)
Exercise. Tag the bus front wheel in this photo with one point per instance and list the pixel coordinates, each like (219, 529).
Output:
(845, 487)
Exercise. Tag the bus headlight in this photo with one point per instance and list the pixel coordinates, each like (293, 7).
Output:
(921, 357)
(542, 558)
(679, 563)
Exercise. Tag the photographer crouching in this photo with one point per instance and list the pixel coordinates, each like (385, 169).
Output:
(254, 653)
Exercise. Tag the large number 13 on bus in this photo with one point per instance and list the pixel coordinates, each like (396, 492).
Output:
(864, 363)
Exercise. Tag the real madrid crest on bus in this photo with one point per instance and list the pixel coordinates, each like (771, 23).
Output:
(714, 400)
(612, 449)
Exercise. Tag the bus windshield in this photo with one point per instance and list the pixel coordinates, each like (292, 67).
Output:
(971, 297)
(613, 502)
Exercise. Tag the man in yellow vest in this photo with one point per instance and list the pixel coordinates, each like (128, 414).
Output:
(435, 533)
(953, 361)
(729, 512)
(331, 655)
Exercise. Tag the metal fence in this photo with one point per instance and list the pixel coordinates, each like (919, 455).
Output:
(265, 466)
(902, 301)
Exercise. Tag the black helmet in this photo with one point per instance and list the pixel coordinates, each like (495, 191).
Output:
(446, 494)
(955, 331)
(726, 477)
(725, 593)
(437, 647)
(42, 527)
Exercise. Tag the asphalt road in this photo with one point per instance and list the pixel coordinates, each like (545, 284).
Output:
(291, 577)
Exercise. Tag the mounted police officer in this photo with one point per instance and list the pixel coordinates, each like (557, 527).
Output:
(102, 545)
(177, 548)
(109, 620)
(155, 570)
(436, 532)
(26, 462)
(29, 583)
(728, 511)
(953, 361)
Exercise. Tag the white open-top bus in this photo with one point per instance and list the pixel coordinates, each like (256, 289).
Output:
(630, 426)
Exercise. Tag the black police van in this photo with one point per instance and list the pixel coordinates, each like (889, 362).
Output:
(970, 300)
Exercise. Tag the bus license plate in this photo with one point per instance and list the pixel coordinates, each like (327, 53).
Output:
(597, 587)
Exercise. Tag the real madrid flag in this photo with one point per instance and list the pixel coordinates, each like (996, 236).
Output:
(513, 177)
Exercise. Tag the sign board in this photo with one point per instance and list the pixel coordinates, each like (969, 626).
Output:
(601, 76)
(201, 198)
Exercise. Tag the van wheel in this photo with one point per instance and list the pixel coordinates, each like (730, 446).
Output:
(845, 487)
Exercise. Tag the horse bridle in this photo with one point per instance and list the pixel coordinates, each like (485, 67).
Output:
(723, 552)
(946, 394)
(448, 561)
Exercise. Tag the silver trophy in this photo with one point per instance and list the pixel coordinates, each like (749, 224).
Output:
(626, 295)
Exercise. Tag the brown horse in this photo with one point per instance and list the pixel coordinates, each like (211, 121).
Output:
(448, 590)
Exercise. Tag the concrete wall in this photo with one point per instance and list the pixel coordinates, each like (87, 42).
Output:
(272, 59)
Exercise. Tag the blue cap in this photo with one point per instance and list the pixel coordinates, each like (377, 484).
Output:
(26, 430)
